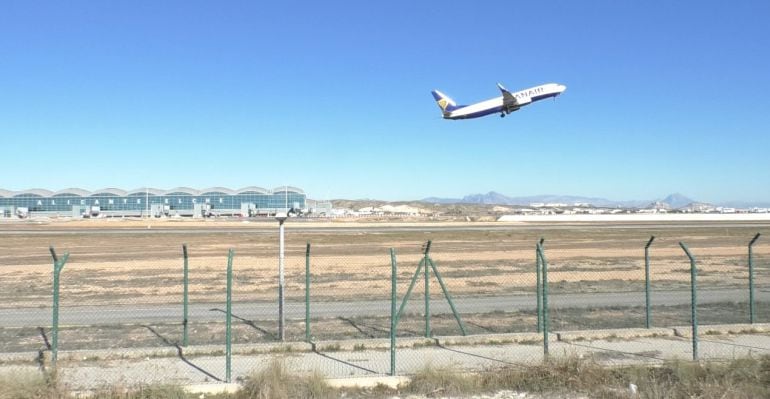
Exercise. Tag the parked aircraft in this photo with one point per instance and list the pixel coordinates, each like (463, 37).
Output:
(503, 105)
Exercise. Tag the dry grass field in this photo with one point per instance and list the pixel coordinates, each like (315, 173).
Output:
(108, 264)
(114, 263)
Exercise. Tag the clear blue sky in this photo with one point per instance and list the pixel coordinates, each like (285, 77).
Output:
(334, 97)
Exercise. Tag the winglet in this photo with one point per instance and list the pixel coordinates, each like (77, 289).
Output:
(502, 89)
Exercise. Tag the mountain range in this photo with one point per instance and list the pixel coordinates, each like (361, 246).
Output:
(673, 201)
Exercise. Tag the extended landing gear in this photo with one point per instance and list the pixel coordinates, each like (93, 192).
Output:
(502, 115)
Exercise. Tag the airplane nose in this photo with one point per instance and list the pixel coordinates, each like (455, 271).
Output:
(562, 88)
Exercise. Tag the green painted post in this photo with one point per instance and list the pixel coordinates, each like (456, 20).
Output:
(538, 291)
(393, 314)
(228, 320)
(427, 290)
(693, 301)
(448, 297)
(544, 263)
(307, 292)
(55, 316)
(58, 265)
(538, 288)
(185, 320)
(648, 318)
(752, 312)
(409, 290)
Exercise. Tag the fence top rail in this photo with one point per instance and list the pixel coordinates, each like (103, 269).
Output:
(652, 238)
(53, 253)
(687, 250)
(753, 240)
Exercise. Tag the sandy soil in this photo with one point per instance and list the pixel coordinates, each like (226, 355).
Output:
(129, 267)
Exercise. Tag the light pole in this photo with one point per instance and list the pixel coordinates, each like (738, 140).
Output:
(280, 217)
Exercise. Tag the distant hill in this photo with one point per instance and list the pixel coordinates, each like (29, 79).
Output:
(659, 205)
(677, 201)
(496, 198)
(493, 204)
(746, 204)
(671, 201)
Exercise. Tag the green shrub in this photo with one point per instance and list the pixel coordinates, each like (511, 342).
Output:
(275, 382)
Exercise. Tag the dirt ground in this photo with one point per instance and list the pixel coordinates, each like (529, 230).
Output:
(124, 262)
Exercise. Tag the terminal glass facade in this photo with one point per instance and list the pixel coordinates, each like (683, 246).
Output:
(140, 200)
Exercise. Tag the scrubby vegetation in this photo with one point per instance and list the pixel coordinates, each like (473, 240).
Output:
(742, 378)
(737, 379)
(276, 382)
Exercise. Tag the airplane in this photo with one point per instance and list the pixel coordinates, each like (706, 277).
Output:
(503, 105)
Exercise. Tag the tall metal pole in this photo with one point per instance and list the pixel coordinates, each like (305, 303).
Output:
(281, 319)
(752, 312)
(307, 292)
(648, 321)
(694, 300)
(539, 288)
(55, 316)
(544, 263)
(185, 320)
(427, 291)
(228, 320)
(393, 314)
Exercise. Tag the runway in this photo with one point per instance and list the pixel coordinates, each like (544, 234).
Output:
(265, 227)
(206, 312)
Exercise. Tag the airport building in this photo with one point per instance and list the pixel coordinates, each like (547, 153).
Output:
(181, 201)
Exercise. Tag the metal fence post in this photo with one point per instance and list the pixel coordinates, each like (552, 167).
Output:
(448, 297)
(648, 318)
(58, 265)
(409, 290)
(752, 312)
(427, 290)
(281, 281)
(307, 292)
(393, 314)
(185, 321)
(539, 287)
(228, 319)
(694, 300)
(544, 263)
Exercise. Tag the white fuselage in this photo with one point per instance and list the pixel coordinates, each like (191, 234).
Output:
(496, 105)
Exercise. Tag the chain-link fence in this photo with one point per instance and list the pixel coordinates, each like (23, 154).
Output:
(154, 300)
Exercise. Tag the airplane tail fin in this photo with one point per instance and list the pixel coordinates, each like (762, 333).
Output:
(446, 104)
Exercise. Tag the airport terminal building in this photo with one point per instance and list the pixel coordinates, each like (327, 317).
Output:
(181, 201)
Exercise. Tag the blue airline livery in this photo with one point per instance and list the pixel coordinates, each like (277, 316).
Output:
(502, 105)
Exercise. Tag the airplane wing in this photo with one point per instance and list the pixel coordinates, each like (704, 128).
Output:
(509, 101)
